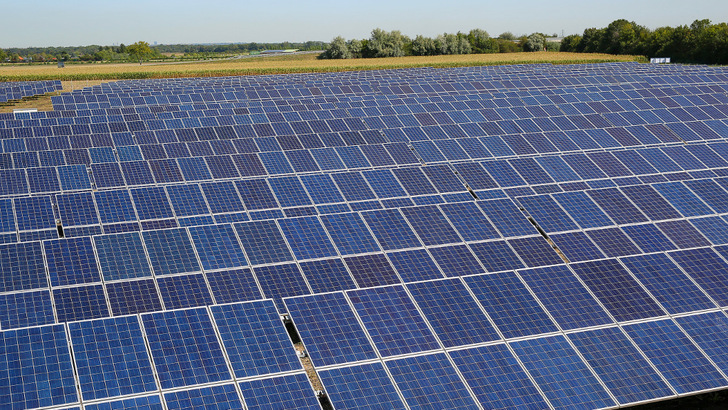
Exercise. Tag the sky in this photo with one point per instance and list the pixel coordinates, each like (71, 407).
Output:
(45, 23)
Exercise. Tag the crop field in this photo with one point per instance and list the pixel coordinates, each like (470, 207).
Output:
(304, 63)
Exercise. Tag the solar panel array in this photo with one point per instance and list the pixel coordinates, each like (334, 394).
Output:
(517, 236)
(22, 89)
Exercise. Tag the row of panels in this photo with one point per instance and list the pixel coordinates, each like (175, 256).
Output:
(94, 361)
(349, 336)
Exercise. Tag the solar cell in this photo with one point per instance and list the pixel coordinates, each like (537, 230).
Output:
(280, 281)
(26, 309)
(307, 238)
(33, 213)
(22, 267)
(141, 403)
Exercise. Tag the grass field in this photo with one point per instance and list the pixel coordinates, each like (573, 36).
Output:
(303, 63)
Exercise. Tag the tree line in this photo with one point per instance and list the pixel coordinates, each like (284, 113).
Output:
(700, 42)
(383, 43)
(120, 53)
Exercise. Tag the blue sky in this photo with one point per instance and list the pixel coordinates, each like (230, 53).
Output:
(83, 22)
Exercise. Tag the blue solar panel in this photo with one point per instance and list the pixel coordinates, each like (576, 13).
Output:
(283, 392)
(617, 206)
(263, 242)
(184, 348)
(222, 197)
(431, 225)
(37, 374)
(675, 356)
(384, 183)
(497, 256)
(74, 177)
(414, 265)
(563, 377)
(119, 344)
(307, 238)
(547, 213)
(256, 194)
(170, 251)
(713, 228)
(132, 297)
(509, 304)
(26, 309)
(235, 285)
(365, 386)
(214, 397)
(329, 329)
(568, 301)
(71, 261)
(140, 403)
(496, 378)
(709, 332)
(115, 206)
(622, 367)
(289, 191)
(80, 303)
(34, 213)
(122, 256)
(371, 270)
(583, 210)
(453, 313)
(706, 268)
(179, 292)
(392, 320)
(623, 297)
(217, 247)
(350, 233)
(22, 267)
(535, 251)
(255, 339)
(152, 203)
(391, 229)
(327, 275)
(670, 286)
(417, 377)
(469, 221)
(280, 281)
(507, 218)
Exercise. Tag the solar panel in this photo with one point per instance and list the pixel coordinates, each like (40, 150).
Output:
(48, 380)
(365, 386)
(255, 339)
(692, 372)
(71, 261)
(170, 251)
(199, 357)
(562, 375)
(212, 397)
(418, 376)
(119, 344)
(496, 378)
(285, 392)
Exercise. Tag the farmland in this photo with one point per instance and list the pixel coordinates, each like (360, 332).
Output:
(304, 63)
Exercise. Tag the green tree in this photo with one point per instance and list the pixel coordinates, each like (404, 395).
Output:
(337, 49)
(424, 46)
(535, 42)
(480, 41)
(356, 48)
(139, 51)
(507, 36)
(386, 44)
(452, 44)
(570, 43)
(3, 55)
